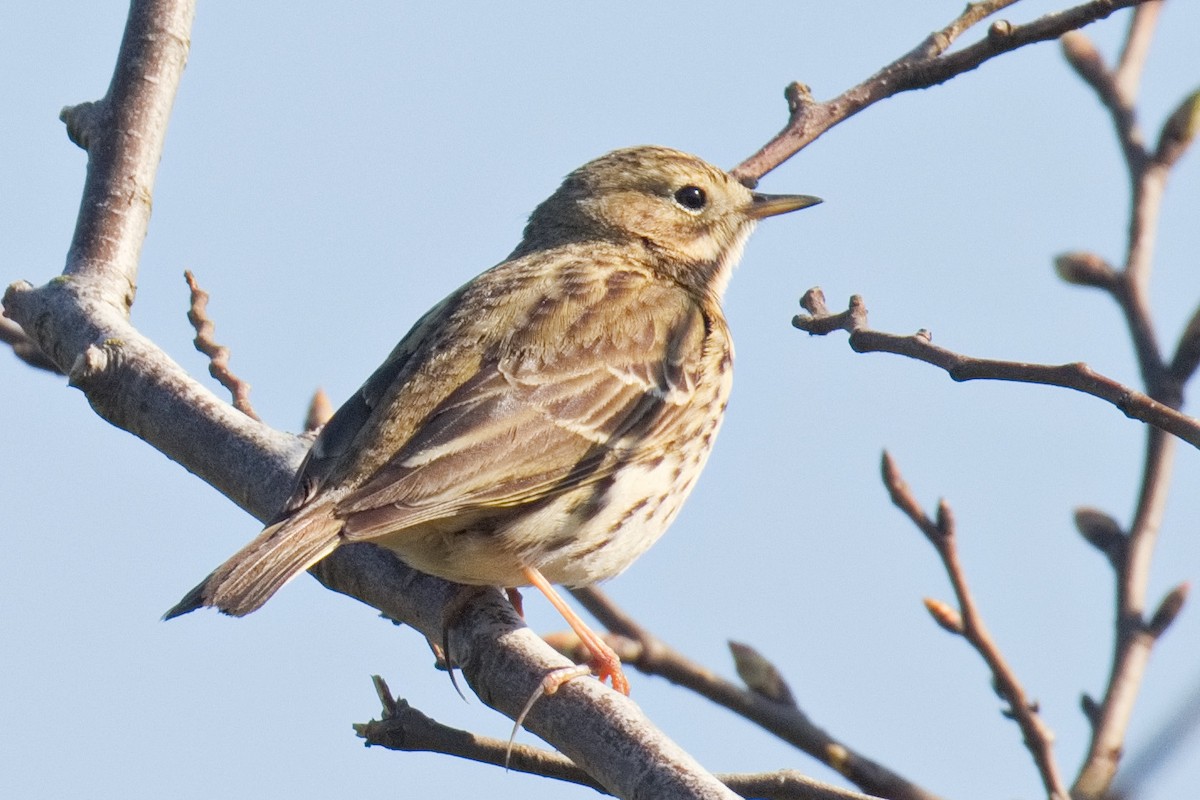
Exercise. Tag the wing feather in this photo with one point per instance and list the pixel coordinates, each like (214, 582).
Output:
(535, 422)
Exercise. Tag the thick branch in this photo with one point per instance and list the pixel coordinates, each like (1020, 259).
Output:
(600, 730)
(404, 728)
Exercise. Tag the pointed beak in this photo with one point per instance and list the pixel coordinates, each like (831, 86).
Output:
(769, 205)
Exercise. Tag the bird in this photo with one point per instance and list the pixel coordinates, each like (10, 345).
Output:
(545, 422)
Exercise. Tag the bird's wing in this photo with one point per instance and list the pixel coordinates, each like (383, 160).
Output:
(335, 445)
(572, 394)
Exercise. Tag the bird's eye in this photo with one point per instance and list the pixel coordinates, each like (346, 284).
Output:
(691, 197)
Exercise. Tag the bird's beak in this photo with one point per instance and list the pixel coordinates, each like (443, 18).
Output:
(768, 205)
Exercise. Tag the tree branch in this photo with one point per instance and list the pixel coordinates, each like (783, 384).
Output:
(402, 727)
(1148, 173)
(80, 320)
(968, 623)
(1077, 376)
(653, 656)
(926, 65)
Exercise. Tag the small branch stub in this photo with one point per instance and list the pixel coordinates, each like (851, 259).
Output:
(1083, 56)
(1179, 131)
(1168, 610)
(1103, 533)
(1085, 269)
(760, 675)
(947, 618)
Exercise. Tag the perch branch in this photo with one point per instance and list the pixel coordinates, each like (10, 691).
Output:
(402, 727)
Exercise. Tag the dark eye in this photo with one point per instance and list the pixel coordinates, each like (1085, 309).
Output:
(692, 197)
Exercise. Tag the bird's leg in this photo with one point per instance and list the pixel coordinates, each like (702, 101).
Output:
(603, 658)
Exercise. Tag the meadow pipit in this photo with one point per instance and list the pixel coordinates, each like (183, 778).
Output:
(544, 423)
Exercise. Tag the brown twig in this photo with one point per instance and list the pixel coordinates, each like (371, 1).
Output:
(653, 656)
(1131, 554)
(968, 623)
(405, 728)
(218, 354)
(23, 347)
(926, 65)
(1134, 404)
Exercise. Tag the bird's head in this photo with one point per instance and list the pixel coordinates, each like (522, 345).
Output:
(690, 217)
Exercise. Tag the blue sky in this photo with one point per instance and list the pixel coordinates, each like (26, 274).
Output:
(332, 171)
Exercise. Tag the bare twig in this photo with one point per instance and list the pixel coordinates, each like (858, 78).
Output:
(1131, 557)
(653, 656)
(968, 623)
(1137, 405)
(403, 727)
(218, 354)
(926, 65)
(1136, 48)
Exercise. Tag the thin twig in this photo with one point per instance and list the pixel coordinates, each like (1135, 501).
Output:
(218, 354)
(1134, 404)
(1136, 47)
(1136, 634)
(968, 623)
(926, 65)
(405, 728)
(653, 656)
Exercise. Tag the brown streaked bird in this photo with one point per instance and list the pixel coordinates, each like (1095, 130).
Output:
(545, 422)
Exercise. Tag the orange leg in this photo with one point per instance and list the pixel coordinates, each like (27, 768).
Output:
(605, 661)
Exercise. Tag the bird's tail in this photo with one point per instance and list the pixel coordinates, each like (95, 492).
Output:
(281, 552)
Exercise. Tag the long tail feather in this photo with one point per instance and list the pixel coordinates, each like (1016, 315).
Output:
(281, 552)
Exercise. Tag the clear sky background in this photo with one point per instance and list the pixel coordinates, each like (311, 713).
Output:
(332, 170)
